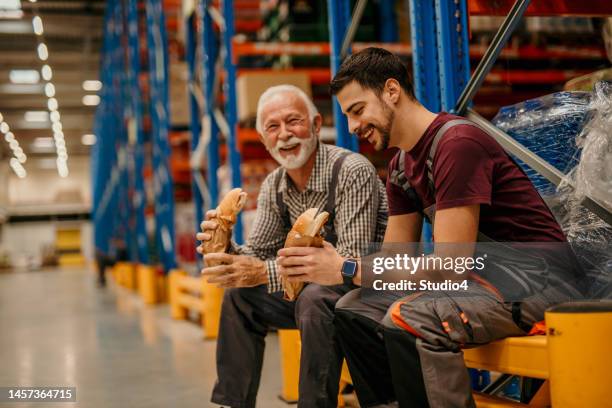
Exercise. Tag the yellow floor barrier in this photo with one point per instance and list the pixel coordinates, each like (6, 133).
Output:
(125, 275)
(194, 293)
(152, 285)
(580, 353)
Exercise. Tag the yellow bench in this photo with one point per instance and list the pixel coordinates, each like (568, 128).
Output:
(574, 359)
(194, 293)
(524, 356)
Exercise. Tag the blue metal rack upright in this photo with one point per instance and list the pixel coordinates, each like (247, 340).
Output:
(231, 110)
(106, 168)
(194, 122)
(205, 115)
(201, 54)
(137, 137)
(157, 47)
(339, 17)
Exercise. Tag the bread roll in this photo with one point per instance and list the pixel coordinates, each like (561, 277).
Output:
(306, 232)
(227, 213)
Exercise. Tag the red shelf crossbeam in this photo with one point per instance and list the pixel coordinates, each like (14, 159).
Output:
(476, 51)
(322, 76)
(543, 7)
(307, 48)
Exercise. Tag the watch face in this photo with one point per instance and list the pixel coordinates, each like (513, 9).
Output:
(349, 268)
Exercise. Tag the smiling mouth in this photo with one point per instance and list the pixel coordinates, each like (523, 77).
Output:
(368, 134)
(289, 148)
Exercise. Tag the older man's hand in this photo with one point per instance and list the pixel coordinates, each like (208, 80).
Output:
(308, 264)
(237, 271)
(207, 227)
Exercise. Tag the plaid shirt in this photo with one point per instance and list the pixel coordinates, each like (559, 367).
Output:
(361, 208)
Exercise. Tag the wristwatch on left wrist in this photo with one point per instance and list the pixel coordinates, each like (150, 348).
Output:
(348, 270)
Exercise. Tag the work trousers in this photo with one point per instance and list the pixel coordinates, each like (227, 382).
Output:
(408, 347)
(246, 316)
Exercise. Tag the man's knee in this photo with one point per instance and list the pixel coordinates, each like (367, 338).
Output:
(316, 301)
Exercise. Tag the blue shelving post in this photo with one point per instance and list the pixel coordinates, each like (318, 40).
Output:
(157, 47)
(339, 17)
(138, 199)
(231, 114)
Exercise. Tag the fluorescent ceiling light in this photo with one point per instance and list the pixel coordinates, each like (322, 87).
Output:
(4, 127)
(43, 52)
(37, 25)
(36, 116)
(10, 4)
(92, 85)
(52, 104)
(24, 76)
(88, 139)
(47, 73)
(91, 100)
(50, 90)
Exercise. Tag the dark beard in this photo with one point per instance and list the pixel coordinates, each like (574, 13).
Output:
(385, 128)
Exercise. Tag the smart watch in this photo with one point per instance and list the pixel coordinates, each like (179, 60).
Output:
(348, 271)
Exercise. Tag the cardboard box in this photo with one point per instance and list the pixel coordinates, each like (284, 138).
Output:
(250, 86)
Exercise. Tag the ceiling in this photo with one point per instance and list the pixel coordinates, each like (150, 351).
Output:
(73, 35)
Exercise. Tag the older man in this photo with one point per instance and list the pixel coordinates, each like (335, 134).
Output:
(311, 174)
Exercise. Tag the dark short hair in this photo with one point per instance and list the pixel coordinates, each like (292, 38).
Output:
(371, 68)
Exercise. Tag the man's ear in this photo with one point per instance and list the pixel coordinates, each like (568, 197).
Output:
(316, 124)
(392, 90)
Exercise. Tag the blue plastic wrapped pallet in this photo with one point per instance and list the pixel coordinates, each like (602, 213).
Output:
(547, 126)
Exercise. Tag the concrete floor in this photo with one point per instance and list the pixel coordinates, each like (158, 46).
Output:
(58, 329)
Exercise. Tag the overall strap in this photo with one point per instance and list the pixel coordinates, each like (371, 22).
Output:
(330, 205)
(284, 211)
(432, 152)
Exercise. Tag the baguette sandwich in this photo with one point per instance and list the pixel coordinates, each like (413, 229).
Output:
(306, 232)
(227, 214)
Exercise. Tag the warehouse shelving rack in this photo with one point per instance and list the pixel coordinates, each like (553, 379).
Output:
(125, 124)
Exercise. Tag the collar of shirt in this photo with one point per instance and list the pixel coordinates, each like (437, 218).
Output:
(318, 179)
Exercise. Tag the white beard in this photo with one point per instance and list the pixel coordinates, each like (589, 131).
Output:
(292, 161)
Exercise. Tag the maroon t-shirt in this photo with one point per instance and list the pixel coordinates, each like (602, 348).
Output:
(470, 167)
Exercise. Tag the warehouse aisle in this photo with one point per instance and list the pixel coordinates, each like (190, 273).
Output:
(57, 328)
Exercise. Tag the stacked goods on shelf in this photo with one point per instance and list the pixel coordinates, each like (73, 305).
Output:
(306, 21)
(541, 56)
(548, 126)
(570, 130)
(250, 86)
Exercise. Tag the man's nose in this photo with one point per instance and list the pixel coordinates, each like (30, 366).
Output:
(283, 133)
(353, 125)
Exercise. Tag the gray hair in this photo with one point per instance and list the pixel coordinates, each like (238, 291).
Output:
(278, 89)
